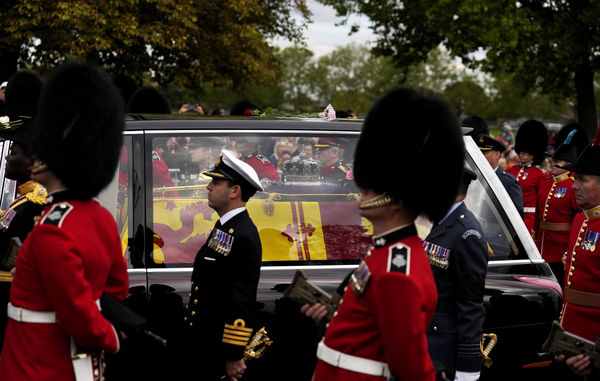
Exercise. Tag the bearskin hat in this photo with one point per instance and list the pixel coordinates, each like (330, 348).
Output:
(411, 147)
(21, 98)
(79, 128)
(569, 150)
(532, 138)
(588, 163)
(147, 100)
(579, 140)
(126, 85)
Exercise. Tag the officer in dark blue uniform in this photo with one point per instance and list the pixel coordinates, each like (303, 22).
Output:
(456, 247)
(492, 150)
(225, 277)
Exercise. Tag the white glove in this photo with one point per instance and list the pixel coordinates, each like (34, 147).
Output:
(466, 376)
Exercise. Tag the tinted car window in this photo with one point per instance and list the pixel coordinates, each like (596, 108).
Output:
(9, 187)
(307, 212)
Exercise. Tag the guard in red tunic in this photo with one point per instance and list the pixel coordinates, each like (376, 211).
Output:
(73, 254)
(531, 142)
(248, 148)
(581, 301)
(379, 329)
(556, 208)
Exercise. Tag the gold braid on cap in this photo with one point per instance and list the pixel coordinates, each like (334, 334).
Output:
(376, 202)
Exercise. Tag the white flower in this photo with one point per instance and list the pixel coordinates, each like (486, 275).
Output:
(328, 113)
(4, 119)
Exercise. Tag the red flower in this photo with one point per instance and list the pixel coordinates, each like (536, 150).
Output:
(247, 112)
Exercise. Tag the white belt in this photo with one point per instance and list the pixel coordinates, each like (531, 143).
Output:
(353, 363)
(529, 209)
(24, 315)
(29, 316)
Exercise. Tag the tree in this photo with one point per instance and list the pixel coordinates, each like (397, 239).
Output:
(186, 43)
(549, 46)
(297, 65)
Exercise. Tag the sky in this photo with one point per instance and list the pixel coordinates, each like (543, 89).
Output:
(322, 36)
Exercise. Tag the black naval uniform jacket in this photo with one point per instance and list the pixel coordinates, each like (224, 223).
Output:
(511, 184)
(457, 253)
(224, 282)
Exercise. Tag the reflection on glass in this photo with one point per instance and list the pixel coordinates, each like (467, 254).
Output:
(303, 214)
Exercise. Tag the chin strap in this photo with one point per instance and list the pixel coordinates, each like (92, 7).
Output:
(376, 202)
(39, 169)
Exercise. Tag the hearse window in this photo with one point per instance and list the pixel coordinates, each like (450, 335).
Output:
(124, 204)
(9, 187)
(503, 242)
(307, 212)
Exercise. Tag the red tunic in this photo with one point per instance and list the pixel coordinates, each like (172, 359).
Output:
(582, 274)
(529, 177)
(556, 204)
(389, 320)
(72, 255)
(262, 165)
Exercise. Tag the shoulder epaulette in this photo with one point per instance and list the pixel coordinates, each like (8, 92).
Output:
(57, 214)
(399, 259)
(37, 195)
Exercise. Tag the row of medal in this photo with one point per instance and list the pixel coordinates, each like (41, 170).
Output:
(220, 242)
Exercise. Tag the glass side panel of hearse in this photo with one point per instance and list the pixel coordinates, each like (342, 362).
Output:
(306, 214)
(506, 234)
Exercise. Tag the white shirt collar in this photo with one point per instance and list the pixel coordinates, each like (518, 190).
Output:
(232, 213)
(452, 209)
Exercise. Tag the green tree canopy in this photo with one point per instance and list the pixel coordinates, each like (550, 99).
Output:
(187, 43)
(548, 46)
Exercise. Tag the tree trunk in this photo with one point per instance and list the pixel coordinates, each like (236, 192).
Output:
(586, 102)
(8, 63)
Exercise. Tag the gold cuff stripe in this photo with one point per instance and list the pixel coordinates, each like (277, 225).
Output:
(234, 337)
(238, 328)
(236, 332)
(235, 342)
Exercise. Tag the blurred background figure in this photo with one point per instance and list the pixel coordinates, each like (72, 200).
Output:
(218, 111)
(248, 148)
(478, 125)
(126, 86)
(556, 204)
(2, 93)
(191, 107)
(492, 149)
(530, 145)
(279, 147)
(147, 100)
(244, 107)
(284, 157)
(507, 136)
